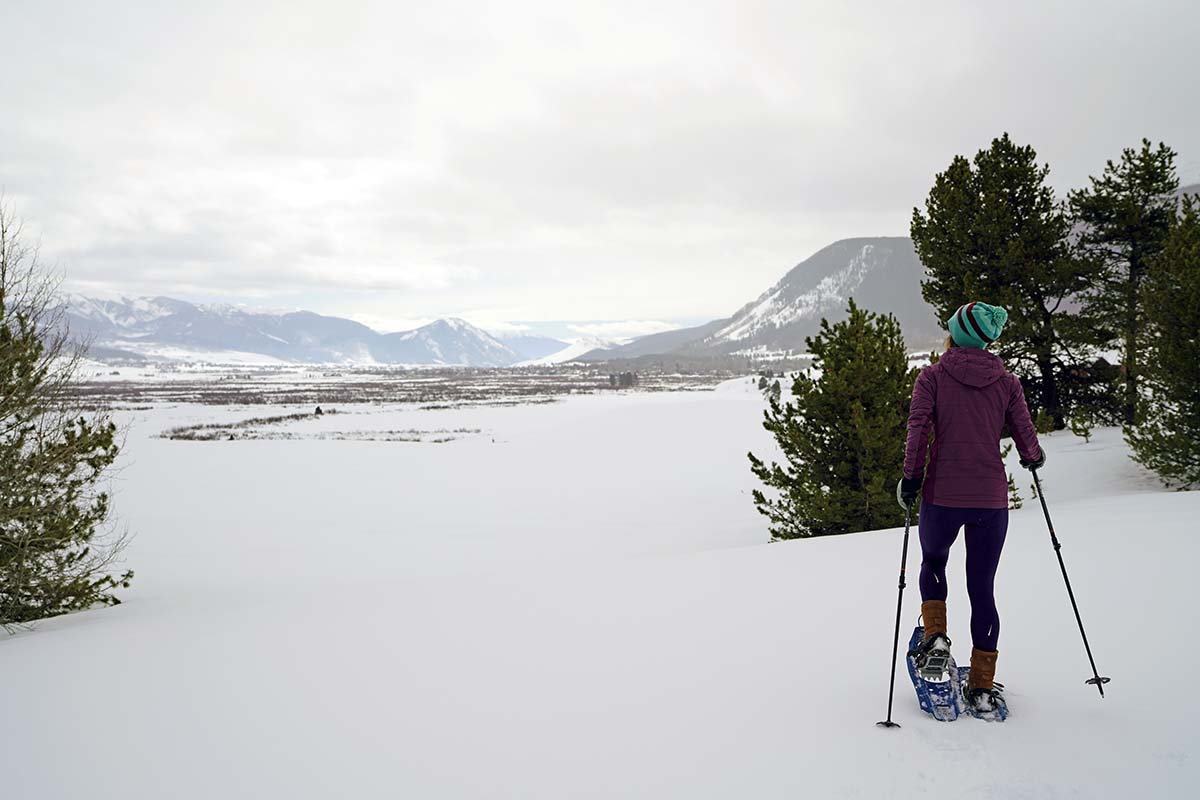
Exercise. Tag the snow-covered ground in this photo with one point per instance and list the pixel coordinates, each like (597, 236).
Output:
(579, 601)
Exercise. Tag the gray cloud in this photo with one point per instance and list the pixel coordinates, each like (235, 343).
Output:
(541, 160)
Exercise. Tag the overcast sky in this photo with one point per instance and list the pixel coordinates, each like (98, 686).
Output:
(623, 168)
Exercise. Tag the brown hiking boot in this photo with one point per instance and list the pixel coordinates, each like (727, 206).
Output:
(933, 616)
(932, 656)
(983, 695)
(983, 669)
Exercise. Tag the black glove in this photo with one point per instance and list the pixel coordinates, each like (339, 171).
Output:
(1037, 463)
(907, 492)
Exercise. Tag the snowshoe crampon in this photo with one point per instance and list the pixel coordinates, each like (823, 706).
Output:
(932, 658)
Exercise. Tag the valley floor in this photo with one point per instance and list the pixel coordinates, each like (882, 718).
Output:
(578, 601)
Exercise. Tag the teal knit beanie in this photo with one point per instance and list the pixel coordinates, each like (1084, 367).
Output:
(977, 324)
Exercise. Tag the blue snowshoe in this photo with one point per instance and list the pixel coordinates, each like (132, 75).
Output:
(935, 676)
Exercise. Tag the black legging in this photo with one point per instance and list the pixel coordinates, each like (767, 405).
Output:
(986, 528)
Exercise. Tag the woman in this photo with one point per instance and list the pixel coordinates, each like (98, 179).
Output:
(965, 399)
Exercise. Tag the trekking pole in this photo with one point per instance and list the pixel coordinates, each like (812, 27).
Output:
(1095, 679)
(887, 723)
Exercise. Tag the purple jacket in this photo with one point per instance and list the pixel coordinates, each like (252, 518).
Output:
(966, 398)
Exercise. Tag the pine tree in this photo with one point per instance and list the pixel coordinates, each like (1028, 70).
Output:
(1126, 215)
(992, 230)
(1081, 426)
(1166, 437)
(55, 552)
(842, 435)
(1014, 496)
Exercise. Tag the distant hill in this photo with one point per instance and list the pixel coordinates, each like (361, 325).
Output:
(655, 343)
(166, 328)
(530, 347)
(882, 274)
(572, 352)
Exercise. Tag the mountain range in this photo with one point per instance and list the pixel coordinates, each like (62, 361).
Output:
(166, 328)
(881, 273)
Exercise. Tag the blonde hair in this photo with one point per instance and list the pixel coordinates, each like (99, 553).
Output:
(950, 342)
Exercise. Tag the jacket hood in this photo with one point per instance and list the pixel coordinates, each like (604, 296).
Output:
(972, 366)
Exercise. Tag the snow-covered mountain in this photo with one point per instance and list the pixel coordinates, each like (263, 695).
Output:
(573, 351)
(127, 313)
(448, 341)
(882, 274)
(531, 347)
(163, 327)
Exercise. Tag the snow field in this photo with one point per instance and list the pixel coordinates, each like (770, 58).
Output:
(585, 607)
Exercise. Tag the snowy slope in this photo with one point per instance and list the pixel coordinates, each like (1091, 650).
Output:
(530, 346)
(774, 309)
(572, 352)
(882, 274)
(542, 611)
(123, 313)
(449, 341)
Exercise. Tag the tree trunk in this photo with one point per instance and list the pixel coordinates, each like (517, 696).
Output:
(1132, 304)
(1049, 394)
